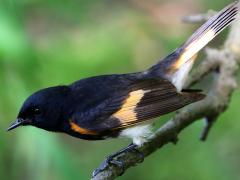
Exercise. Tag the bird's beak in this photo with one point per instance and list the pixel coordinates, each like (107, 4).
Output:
(16, 124)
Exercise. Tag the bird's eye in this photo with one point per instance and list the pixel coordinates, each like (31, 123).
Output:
(37, 111)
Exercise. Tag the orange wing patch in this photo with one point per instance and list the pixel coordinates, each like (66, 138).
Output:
(127, 112)
(81, 130)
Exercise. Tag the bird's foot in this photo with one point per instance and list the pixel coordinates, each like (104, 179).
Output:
(111, 159)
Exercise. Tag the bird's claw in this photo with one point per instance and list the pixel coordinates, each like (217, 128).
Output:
(109, 160)
(119, 163)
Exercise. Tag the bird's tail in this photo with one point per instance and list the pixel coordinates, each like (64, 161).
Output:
(196, 42)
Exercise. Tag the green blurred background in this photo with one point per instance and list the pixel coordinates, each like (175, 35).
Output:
(45, 43)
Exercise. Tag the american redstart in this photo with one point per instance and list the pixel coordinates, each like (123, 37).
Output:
(123, 105)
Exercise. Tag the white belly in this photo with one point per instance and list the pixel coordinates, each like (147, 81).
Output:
(138, 134)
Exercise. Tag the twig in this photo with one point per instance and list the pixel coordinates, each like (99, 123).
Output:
(198, 17)
(216, 102)
(209, 124)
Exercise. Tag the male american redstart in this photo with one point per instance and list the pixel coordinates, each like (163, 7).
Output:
(123, 105)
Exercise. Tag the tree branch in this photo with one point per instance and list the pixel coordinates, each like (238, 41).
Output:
(198, 17)
(223, 63)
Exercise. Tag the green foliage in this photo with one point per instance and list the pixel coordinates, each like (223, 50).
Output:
(46, 43)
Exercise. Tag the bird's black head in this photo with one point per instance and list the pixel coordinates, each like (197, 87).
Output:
(43, 109)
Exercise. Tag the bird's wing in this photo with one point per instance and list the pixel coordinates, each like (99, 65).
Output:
(141, 101)
(150, 99)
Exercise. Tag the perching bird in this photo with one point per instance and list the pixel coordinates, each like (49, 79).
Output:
(123, 105)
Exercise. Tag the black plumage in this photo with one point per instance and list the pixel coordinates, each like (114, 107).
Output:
(106, 106)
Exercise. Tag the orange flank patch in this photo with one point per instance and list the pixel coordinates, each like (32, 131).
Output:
(81, 130)
(127, 112)
(192, 49)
